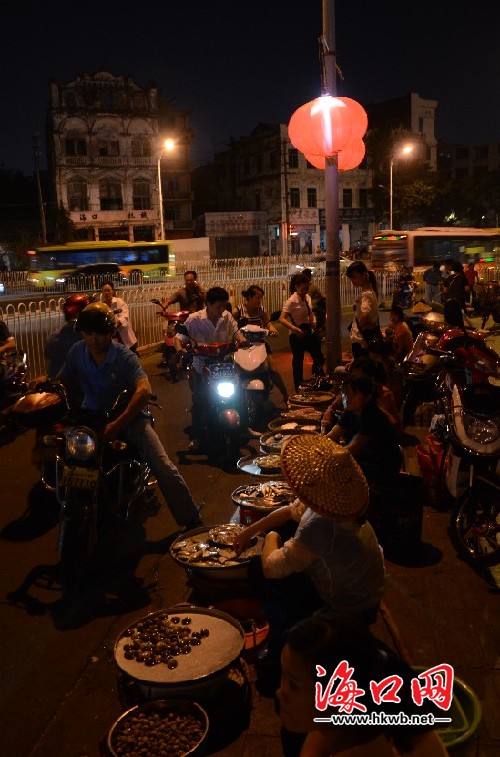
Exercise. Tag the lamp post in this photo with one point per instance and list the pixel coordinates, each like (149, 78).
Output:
(405, 150)
(168, 145)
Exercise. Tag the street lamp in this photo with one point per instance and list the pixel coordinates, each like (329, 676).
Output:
(168, 145)
(405, 150)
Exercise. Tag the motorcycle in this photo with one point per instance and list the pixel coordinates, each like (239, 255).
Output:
(468, 396)
(404, 294)
(224, 393)
(170, 359)
(421, 366)
(487, 301)
(254, 369)
(96, 483)
(13, 384)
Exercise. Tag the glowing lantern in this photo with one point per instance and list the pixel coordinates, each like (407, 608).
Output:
(348, 159)
(359, 118)
(321, 126)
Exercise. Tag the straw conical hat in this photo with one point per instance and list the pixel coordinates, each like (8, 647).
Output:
(325, 476)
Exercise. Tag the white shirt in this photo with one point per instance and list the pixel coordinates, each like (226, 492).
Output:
(123, 325)
(298, 310)
(200, 327)
(366, 305)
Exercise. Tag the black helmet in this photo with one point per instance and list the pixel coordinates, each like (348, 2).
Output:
(74, 304)
(96, 317)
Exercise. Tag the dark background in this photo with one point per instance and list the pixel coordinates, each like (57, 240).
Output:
(234, 65)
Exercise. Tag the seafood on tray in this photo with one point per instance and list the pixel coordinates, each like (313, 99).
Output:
(267, 495)
(268, 462)
(213, 549)
(309, 413)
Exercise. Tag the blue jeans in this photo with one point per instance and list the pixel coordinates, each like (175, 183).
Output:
(179, 499)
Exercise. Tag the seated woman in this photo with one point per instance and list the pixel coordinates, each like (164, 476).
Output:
(253, 310)
(381, 352)
(367, 431)
(334, 546)
(365, 366)
(402, 338)
(321, 641)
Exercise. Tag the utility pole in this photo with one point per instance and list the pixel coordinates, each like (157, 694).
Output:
(285, 230)
(43, 227)
(333, 308)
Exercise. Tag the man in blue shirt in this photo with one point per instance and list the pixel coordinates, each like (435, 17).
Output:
(100, 369)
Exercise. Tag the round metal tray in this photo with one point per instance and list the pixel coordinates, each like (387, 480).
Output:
(299, 429)
(218, 650)
(270, 444)
(241, 498)
(208, 569)
(162, 708)
(247, 464)
(311, 398)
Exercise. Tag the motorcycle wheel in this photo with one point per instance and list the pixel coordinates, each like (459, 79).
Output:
(476, 526)
(75, 550)
(255, 407)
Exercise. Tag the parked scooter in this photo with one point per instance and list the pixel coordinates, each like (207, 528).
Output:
(96, 483)
(225, 398)
(13, 369)
(170, 358)
(421, 366)
(470, 403)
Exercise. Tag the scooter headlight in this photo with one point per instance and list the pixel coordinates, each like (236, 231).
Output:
(481, 430)
(81, 443)
(225, 389)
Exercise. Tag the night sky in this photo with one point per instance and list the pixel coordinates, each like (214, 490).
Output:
(234, 65)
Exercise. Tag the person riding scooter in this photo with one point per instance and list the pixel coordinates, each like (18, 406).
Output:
(214, 324)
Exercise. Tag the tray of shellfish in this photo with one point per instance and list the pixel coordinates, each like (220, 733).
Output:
(261, 465)
(306, 414)
(273, 441)
(265, 496)
(311, 399)
(284, 426)
(212, 548)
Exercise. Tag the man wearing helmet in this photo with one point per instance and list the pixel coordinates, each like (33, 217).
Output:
(100, 369)
(59, 342)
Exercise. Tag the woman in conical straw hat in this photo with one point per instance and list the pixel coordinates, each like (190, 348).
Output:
(334, 545)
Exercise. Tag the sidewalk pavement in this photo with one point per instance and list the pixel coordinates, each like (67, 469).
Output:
(437, 609)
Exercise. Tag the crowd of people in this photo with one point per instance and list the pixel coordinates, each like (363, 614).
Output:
(320, 576)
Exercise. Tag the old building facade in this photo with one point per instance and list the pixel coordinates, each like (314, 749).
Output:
(264, 173)
(105, 137)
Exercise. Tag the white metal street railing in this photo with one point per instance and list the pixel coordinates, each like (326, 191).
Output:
(31, 321)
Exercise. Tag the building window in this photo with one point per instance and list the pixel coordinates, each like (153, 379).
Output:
(77, 195)
(76, 147)
(141, 148)
(462, 153)
(421, 124)
(110, 194)
(312, 198)
(172, 212)
(347, 198)
(460, 173)
(363, 198)
(482, 152)
(480, 170)
(141, 195)
(273, 160)
(258, 201)
(295, 198)
(108, 148)
(293, 158)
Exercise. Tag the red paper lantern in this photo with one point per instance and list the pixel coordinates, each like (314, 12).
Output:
(322, 126)
(348, 159)
(359, 118)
